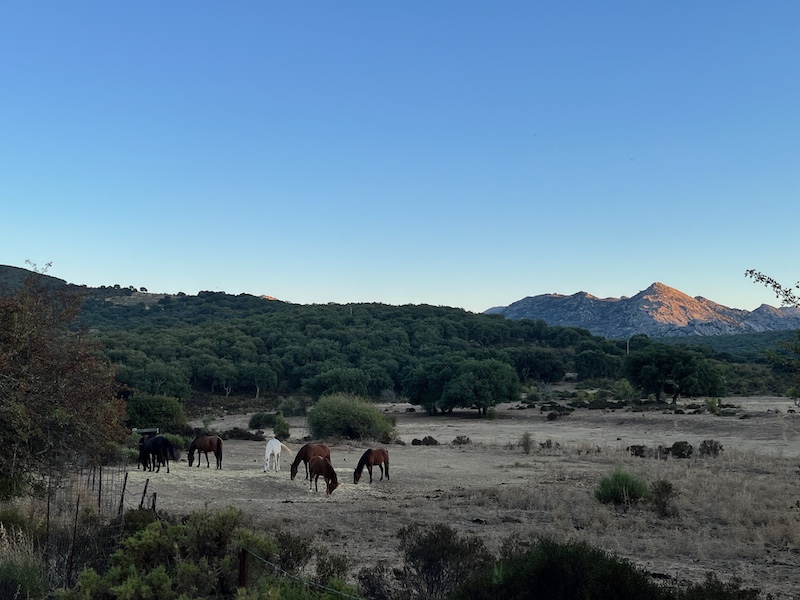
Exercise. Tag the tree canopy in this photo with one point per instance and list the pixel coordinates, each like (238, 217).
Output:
(58, 400)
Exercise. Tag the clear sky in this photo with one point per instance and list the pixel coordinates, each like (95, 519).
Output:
(456, 153)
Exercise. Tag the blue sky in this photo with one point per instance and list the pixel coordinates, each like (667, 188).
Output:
(464, 154)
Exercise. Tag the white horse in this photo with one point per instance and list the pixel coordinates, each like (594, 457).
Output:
(273, 452)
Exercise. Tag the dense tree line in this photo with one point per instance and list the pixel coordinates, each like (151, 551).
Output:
(438, 357)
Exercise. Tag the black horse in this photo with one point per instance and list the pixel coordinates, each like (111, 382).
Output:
(155, 451)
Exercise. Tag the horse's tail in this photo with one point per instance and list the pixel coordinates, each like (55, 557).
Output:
(286, 448)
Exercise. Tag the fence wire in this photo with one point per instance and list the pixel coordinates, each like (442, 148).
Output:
(248, 579)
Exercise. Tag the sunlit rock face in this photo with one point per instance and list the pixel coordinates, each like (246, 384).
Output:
(658, 311)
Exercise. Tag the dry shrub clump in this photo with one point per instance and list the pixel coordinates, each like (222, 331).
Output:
(22, 573)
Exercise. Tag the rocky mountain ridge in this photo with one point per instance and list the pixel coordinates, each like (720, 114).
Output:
(658, 311)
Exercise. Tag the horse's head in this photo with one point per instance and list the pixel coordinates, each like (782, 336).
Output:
(356, 476)
(293, 471)
(332, 485)
(191, 456)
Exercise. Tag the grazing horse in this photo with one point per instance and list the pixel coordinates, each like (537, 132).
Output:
(155, 451)
(305, 454)
(273, 453)
(206, 443)
(371, 458)
(322, 466)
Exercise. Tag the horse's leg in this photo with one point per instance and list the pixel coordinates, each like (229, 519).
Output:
(380, 466)
(277, 462)
(305, 462)
(387, 468)
(369, 468)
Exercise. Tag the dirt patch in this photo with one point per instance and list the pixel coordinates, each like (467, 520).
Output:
(492, 489)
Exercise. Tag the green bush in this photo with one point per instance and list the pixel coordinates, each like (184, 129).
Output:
(437, 558)
(193, 559)
(621, 487)
(293, 407)
(281, 427)
(554, 571)
(348, 417)
(262, 420)
(149, 410)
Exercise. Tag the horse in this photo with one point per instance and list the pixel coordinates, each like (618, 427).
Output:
(322, 466)
(206, 443)
(306, 453)
(371, 458)
(156, 451)
(273, 452)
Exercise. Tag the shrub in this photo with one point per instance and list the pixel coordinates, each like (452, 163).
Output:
(710, 448)
(526, 442)
(349, 417)
(281, 427)
(437, 559)
(22, 572)
(560, 572)
(663, 494)
(150, 410)
(193, 559)
(293, 407)
(621, 487)
(294, 551)
(261, 420)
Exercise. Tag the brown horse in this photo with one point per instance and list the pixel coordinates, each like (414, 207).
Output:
(322, 466)
(206, 443)
(371, 458)
(305, 454)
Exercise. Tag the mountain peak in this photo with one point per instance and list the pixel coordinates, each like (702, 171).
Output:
(657, 311)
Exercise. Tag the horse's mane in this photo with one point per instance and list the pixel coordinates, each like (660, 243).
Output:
(363, 461)
(332, 471)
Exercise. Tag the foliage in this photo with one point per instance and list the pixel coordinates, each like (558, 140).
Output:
(663, 495)
(436, 559)
(676, 370)
(621, 487)
(526, 442)
(58, 400)
(148, 410)
(785, 293)
(554, 571)
(281, 429)
(710, 448)
(348, 417)
(192, 559)
(22, 571)
(261, 420)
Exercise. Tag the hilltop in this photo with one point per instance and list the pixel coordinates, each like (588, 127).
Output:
(658, 311)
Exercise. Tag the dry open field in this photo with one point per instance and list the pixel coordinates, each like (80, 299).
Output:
(737, 515)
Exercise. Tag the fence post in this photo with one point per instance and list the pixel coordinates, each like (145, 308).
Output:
(122, 496)
(144, 492)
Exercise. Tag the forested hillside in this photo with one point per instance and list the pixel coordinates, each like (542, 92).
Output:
(439, 357)
(244, 345)
(216, 345)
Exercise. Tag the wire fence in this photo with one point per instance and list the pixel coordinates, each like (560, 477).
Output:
(84, 523)
(253, 566)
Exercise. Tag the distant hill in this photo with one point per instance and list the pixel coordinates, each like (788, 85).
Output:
(658, 311)
(12, 278)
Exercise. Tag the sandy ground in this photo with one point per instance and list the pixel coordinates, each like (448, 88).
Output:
(449, 483)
